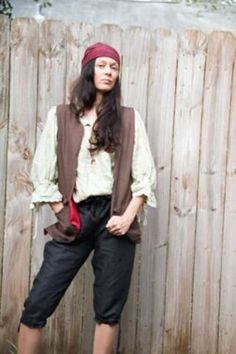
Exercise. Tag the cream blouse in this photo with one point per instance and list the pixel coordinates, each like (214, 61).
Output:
(94, 176)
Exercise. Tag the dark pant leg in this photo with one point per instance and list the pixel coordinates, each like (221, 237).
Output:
(112, 263)
(60, 264)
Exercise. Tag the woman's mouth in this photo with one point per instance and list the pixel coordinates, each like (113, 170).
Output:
(105, 81)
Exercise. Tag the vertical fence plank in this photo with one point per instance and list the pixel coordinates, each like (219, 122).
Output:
(135, 70)
(191, 61)
(23, 93)
(211, 192)
(227, 339)
(161, 100)
(4, 107)
(112, 35)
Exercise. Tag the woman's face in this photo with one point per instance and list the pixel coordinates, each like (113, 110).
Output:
(106, 72)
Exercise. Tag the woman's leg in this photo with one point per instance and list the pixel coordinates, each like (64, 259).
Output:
(29, 340)
(105, 338)
(60, 264)
(112, 263)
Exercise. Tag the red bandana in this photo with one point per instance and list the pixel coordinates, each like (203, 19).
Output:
(100, 50)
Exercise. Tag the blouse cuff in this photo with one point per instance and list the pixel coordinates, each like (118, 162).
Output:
(45, 193)
(151, 201)
(147, 192)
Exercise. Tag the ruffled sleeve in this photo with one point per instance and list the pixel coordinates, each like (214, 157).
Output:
(143, 167)
(44, 172)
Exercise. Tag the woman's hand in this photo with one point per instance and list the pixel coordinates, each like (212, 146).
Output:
(119, 225)
(56, 206)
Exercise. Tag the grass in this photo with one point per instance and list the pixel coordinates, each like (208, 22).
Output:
(12, 347)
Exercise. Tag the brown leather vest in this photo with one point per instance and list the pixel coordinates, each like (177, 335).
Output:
(69, 138)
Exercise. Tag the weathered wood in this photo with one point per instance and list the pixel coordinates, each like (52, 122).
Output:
(4, 113)
(211, 196)
(227, 320)
(211, 192)
(135, 68)
(112, 35)
(17, 238)
(189, 90)
(160, 114)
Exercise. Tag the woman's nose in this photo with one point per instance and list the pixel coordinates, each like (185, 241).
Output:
(107, 69)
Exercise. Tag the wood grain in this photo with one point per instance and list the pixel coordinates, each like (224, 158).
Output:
(187, 127)
(211, 195)
(22, 121)
(227, 320)
(161, 104)
(4, 115)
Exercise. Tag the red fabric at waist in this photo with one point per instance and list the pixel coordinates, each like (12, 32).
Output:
(74, 215)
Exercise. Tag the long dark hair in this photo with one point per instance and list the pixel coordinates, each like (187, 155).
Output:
(106, 130)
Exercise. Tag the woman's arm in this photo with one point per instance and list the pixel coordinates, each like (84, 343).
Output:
(44, 166)
(56, 206)
(143, 167)
(143, 184)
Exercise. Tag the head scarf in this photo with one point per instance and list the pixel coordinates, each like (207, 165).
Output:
(99, 50)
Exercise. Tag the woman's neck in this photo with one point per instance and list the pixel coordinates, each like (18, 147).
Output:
(91, 112)
(99, 97)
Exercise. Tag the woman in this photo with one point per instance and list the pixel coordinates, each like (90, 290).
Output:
(94, 167)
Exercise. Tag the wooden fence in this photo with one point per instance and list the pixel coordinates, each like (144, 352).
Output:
(183, 294)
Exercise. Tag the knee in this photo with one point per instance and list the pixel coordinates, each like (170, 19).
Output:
(33, 315)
